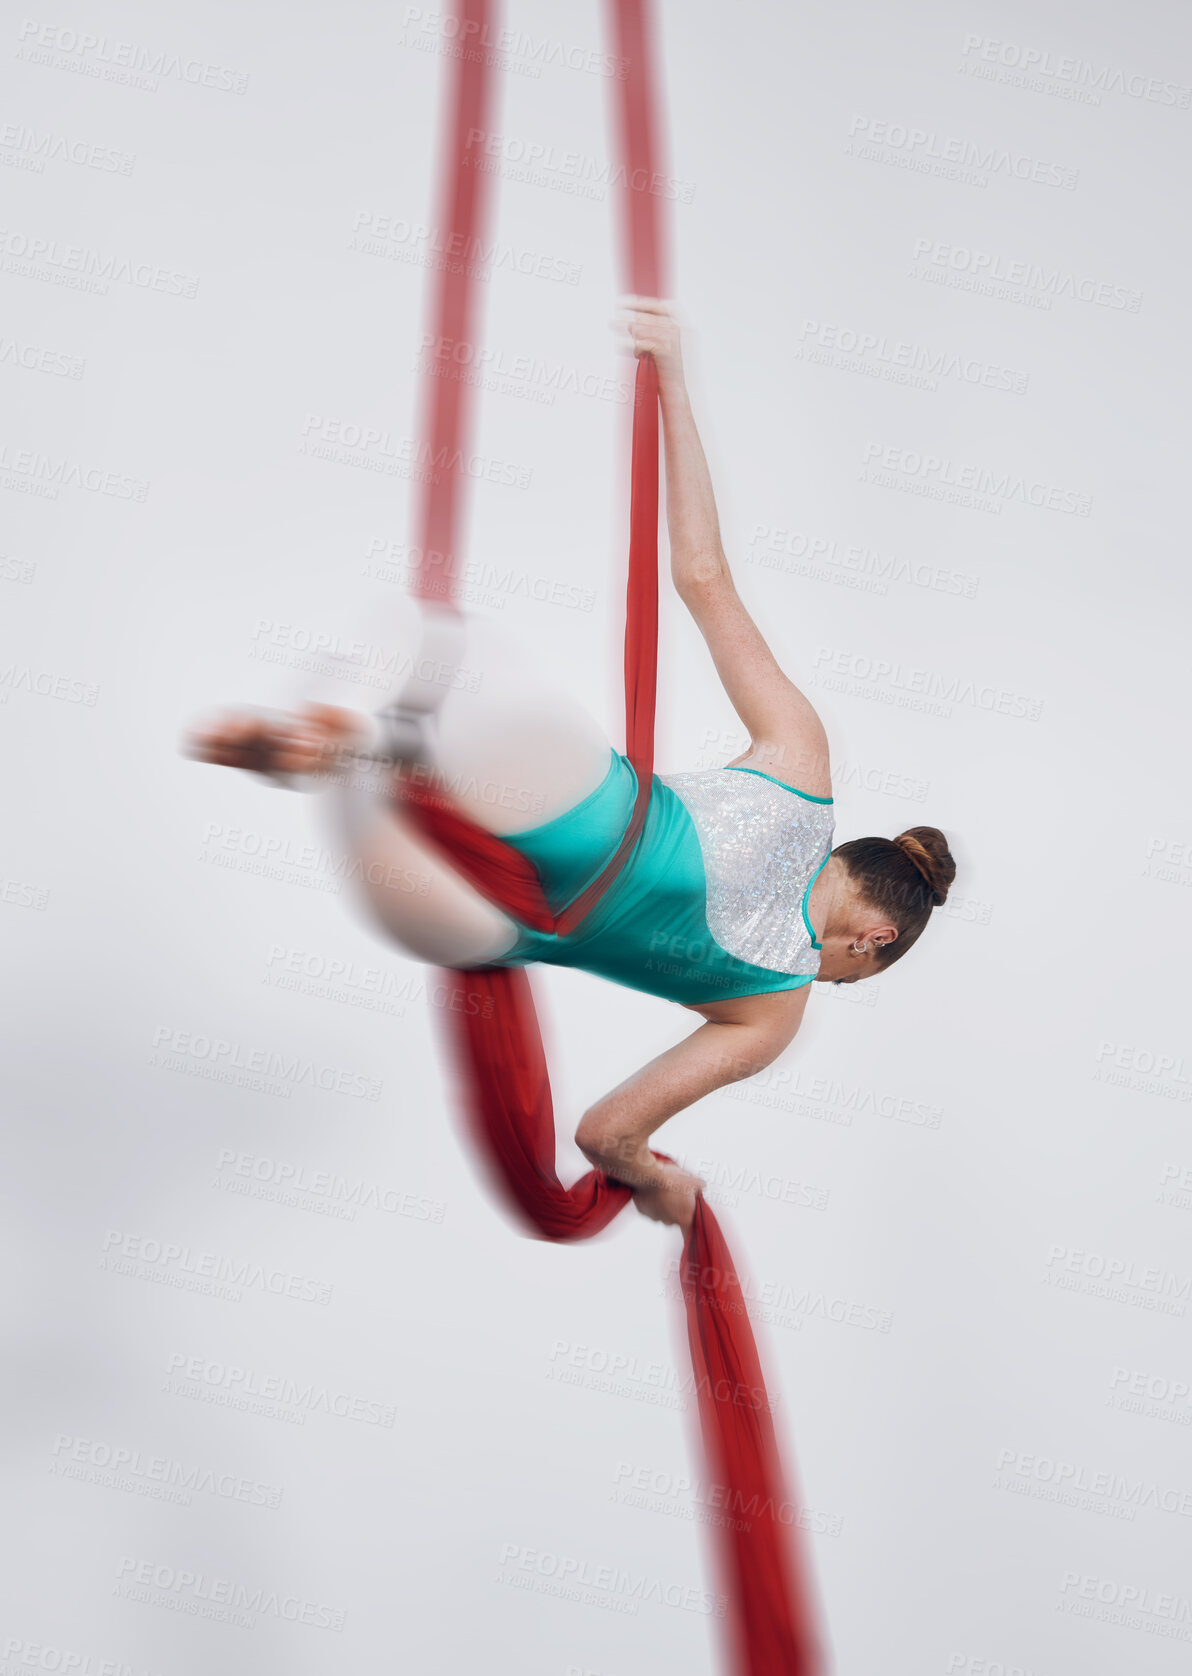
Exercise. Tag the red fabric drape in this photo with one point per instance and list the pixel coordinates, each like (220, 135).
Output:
(494, 1028)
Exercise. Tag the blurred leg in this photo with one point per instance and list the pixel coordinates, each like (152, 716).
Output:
(514, 751)
(408, 889)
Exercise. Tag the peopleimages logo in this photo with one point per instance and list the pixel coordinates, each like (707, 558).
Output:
(158, 1476)
(170, 1043)
(504, 47)
(1071, 1477)
(1064, 75)
(987, 268)
(915, 147)
(901, 362)
(576, 1574)
(79, 268)
(1118, 1278)
(908, 686)
(275, 1395)
(192, 1269)
(105, 57)
(199, 1594)
(569, 170)
(937, 474)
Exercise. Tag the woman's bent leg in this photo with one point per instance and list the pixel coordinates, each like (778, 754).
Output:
(513, 746)
(408, 889)
(510, 747)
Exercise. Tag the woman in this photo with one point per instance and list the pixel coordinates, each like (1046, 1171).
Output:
(733, 901)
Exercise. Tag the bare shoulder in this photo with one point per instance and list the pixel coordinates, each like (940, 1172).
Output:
(787, 736)
(798, 759)
(778, 1013)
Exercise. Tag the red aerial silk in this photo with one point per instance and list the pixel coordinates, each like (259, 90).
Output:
(508, 1098)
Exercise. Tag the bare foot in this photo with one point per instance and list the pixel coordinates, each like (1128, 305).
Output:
(313, 741)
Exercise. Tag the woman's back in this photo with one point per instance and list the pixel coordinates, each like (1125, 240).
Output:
(712, 903)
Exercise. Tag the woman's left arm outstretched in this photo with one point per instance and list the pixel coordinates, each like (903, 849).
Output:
(614, 1133)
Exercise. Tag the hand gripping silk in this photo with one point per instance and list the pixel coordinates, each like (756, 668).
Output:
(770, 1630)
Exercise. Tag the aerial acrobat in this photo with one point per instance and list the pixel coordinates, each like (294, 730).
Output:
(734, 901)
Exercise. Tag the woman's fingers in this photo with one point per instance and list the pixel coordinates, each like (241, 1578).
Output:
(672, 1201)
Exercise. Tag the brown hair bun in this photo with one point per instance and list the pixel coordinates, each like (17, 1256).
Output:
(927, 847)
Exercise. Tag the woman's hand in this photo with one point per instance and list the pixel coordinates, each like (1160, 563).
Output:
(276, 743)
(653, 330)
(673, 1201)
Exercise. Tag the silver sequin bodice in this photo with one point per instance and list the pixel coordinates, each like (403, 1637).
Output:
(762, 845)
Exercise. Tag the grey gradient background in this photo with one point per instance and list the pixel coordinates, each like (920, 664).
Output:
(958, 1153)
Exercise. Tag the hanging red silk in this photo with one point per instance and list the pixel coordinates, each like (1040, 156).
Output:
(769, 1620)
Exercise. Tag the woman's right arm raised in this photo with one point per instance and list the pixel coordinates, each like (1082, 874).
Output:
(784, 728)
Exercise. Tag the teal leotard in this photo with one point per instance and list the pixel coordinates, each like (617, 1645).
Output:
(721, 846)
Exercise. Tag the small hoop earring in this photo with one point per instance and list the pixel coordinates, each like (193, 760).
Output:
(860, 948)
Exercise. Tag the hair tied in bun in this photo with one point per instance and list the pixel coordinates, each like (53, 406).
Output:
(927, 848)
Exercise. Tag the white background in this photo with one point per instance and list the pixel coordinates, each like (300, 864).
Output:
(983, 1134)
